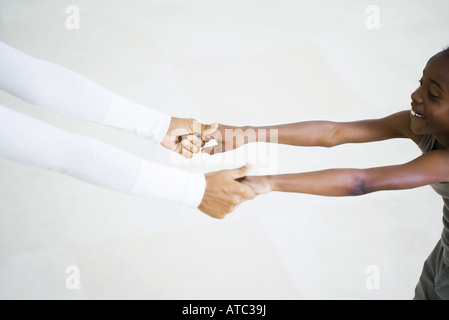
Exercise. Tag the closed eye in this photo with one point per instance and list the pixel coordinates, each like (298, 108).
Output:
(430, 94)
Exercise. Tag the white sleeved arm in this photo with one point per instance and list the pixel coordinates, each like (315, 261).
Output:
(31, 141)
(64, 91)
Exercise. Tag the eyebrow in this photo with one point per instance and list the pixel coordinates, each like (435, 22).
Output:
(434, 82)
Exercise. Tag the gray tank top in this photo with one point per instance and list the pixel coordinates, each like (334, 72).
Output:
(426, 144)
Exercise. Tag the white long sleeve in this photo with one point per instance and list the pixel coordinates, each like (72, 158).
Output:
(31, 141)
(64, 91)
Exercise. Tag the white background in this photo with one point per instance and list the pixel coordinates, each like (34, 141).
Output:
(240, 63)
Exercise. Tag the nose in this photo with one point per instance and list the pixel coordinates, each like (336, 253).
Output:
(417, 95)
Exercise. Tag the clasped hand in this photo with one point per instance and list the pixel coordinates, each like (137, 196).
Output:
(225, 189)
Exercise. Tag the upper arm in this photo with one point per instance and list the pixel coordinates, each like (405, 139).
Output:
(430, 168)
(394, 126)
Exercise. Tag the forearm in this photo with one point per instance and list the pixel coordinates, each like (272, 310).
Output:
(64, 91)
(329, 134)
(333, 182)
(307, 134)
(34, 142)
(429, 168)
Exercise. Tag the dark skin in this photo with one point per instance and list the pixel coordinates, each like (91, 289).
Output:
(429, 115)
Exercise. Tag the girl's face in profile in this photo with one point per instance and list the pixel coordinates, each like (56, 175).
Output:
(430, 101)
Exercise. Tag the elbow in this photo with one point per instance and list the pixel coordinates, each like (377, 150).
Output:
(358, 189)
(327, 144)
(332, 137)
(360, 185)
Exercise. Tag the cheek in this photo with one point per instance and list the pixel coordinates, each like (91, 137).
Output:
(438, 115)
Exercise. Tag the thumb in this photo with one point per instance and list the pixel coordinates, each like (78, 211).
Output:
(212, 150)
(241, 172)
(207, 131)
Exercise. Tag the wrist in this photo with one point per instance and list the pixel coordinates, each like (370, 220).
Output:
(272, 182)
(251, 134)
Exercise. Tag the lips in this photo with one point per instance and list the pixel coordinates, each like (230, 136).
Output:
(416, 114)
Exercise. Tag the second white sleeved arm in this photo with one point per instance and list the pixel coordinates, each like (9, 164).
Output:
(31, 141)
(64, 91)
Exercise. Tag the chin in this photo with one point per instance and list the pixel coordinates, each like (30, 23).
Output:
(417, 127)
(418, 130)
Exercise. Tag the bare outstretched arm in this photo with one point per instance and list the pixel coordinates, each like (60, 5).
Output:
(314, 133)
(432, 167)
